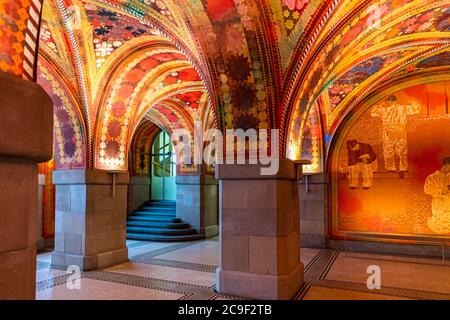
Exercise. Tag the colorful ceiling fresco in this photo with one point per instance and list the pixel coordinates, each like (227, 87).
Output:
(116, 68)
(111, 30)
(69, 133)
(300, 65)
(356, 55)
(19, 26)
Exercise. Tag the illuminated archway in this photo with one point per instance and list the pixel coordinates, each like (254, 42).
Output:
(393, 192)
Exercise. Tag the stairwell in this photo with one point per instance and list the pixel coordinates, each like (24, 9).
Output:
(156, 221)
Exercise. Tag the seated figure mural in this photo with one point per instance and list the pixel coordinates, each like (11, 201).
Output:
(437, 186)
(392, 177)
(362, 160)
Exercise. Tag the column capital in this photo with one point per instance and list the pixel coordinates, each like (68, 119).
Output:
(27, 120)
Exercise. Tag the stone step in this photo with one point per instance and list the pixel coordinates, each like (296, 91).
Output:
(158, 209)
(162, 203)
(157, 221)
(150, 224)
(155, 214)
(154, 219)
(161, 231)
(161, 238)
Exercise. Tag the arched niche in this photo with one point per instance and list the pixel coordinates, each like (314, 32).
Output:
(395, 192)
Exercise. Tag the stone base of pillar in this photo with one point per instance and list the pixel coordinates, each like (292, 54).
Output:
(18, 230)
(260, 232)
(26, 133)
(264, 287)
(90, 226)
(210, 231)
(197, 203)
(18, 274)
(97, 261)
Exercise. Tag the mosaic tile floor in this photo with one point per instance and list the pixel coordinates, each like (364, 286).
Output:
(187, 271)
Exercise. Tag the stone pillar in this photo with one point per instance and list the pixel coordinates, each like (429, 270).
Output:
(26, 135)
(91, 211)
(197, 203)
(314, 211)
(140, 189)
(260, 232)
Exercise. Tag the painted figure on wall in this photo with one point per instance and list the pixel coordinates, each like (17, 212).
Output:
(437, 185)
(295, 4)
(419, 202)
(395, 140)
(362, 160)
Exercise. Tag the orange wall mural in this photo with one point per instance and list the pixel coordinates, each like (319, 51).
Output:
(19, 25)
(391, 166)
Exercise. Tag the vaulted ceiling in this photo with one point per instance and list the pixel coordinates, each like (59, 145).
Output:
(298, 65)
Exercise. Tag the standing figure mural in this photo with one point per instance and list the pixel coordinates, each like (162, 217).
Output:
(395, 138)
(437, 185)
(362, 160)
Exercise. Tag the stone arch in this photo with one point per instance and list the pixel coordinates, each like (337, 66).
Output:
(354, 59)
(69, 133)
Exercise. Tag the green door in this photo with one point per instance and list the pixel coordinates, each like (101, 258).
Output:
(163, 172)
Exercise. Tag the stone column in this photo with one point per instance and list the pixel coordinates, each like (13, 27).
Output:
(314, 211)
(197, 203)
(26, 135)
(260, 232)
(91, 211)
(140, 189)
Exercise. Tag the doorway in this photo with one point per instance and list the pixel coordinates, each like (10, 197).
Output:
(163, 168)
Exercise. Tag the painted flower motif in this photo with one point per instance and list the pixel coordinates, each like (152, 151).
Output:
(114, 128)
(235, 40)
(112, 149)
(443, 23)
(69, 149)
(239, 68)
(243, 97)
(295, 4)
(335, 100)
(111, 16)
(289, 24)
(90, 7)
(246, 122)
(103, 30)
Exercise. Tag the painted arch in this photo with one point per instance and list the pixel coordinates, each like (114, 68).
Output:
(357, 57)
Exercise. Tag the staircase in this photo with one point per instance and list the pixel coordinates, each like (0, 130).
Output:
(156, 221)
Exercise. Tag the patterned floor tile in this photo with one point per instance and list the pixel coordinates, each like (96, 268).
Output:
(92, 289)
(187, 271)
(166, 273)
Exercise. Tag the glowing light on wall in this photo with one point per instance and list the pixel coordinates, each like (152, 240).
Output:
(390, 174)
(305, 143)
